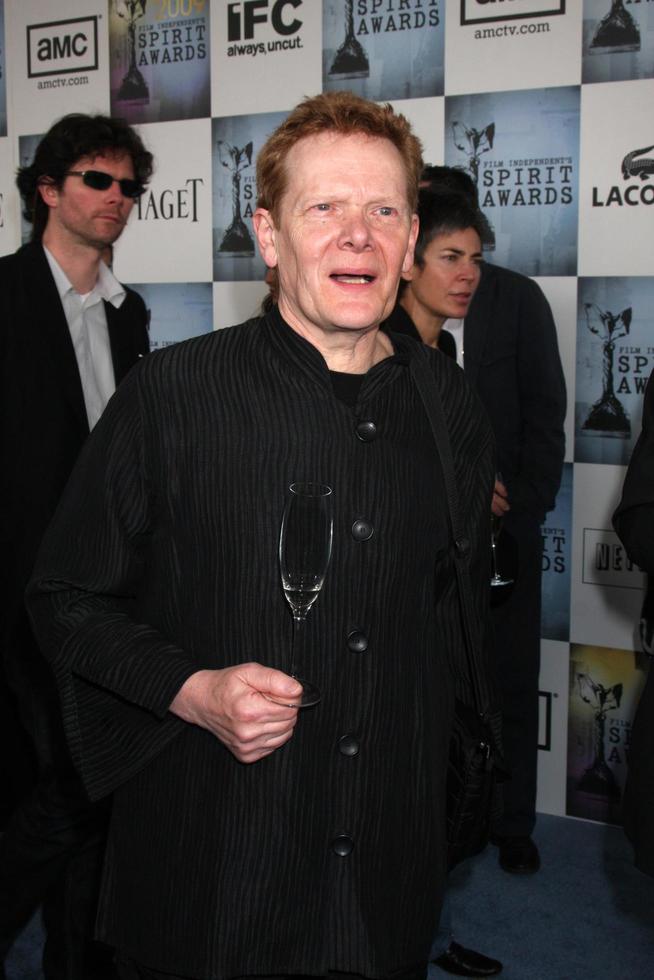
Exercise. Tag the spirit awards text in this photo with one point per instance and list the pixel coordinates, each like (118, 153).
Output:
(170, 45)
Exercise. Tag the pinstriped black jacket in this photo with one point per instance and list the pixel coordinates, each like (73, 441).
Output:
(162, 560)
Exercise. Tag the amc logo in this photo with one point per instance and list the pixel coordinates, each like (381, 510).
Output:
(62, 47)
(486, 11)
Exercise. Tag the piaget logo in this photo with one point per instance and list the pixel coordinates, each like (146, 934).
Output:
(170, 203)
(486, 11)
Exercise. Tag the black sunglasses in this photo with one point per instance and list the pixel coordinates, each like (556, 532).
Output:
(101, 181)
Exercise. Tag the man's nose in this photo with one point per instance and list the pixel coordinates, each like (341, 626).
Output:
(355, 231)
(113, 193)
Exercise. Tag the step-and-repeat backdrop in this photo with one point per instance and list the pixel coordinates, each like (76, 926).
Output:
(547, 103)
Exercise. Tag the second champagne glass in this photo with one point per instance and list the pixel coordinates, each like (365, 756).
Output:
(496, 526)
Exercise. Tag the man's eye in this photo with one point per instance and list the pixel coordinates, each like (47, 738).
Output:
(322, 207)
(386, 212)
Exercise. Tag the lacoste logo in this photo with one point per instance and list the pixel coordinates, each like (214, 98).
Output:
(643, 168)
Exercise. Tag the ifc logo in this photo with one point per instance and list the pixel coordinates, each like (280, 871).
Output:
(244, 15)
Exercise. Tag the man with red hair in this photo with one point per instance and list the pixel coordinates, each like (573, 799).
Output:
(249, 839)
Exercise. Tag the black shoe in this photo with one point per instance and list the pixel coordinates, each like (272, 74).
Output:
(518, 855)
(467, 963)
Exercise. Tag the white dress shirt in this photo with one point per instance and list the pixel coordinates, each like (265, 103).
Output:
(455, 327)
(87, 323)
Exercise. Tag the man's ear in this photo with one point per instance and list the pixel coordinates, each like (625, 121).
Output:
(407, 264)
(48, 191)
(264, 229)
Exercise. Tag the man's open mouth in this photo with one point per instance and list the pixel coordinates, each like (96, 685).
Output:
(350, 278)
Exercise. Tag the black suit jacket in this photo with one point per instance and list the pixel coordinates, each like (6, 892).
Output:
(400, 322)
(171, 519)
(512, 360)
(43, 420)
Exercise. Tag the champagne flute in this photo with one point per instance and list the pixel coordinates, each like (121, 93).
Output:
(305, 547)
(496, 526)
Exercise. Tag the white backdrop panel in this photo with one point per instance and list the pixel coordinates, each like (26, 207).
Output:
(488, 48)
(263, 59)
(169, 234)
(606, 589)
(616, 189)
(57, 61)
(9, 200)
(427, 119)
(552, 731)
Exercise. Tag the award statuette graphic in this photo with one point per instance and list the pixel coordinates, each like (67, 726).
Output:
(616, 32)
(474, 142)
(237, 240)
(350, 60)
(607, 417)
(133, 87)
(598, 779)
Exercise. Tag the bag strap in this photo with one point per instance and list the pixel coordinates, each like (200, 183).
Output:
(429, 394)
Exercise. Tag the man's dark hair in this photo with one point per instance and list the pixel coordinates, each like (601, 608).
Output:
(442, 211)
(451, 179)
(68, 140)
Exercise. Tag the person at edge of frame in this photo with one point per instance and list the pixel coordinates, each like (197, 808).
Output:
(508, 348)
(439, 289)
(70, 332)
(634, 524)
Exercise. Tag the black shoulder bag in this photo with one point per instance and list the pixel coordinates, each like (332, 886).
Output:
(474, 765)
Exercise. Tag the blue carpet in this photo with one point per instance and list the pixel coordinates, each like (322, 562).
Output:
(24, 961)
(587, 914)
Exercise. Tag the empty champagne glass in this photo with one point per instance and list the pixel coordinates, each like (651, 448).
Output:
(305, 547)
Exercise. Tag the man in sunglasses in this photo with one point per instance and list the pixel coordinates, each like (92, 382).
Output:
(70, 332)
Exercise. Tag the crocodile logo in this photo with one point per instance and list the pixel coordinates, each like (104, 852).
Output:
(643, 168)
